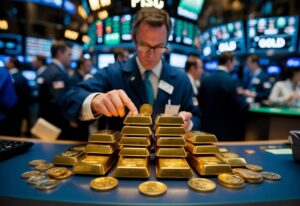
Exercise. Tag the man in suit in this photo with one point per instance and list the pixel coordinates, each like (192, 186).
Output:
(83, 68)
(258, 85)
(53, 85)
(223, 109)
(194, 70)
(21, 109)
(144, 78)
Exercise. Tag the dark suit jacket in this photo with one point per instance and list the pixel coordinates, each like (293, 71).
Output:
(126, 76)
(222, 108)
(75, 79)
(262, 86)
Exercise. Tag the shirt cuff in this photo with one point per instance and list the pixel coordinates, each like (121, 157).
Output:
(86, 109)
(191, 126)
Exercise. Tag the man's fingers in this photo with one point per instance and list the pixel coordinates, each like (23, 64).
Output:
(110, 107)
(127, 102)
(105, 111)
(116, 99)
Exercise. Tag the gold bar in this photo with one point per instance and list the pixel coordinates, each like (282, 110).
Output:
(169, 131)
(170, 152)
(198, 137)
(80, 147)
(173, 168)
(134, 151)
(136, 131)
(132, 167)
(68, 158)
(208, 165)
(169, 120)
(138, 119)
(170, 141)
(105, 149)
(135, 141)
(104, 136)
(233, 159)
(202, 149)
(94, 164)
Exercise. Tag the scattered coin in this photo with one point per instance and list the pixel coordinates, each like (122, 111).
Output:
(56, 171)
(230, 179)
(34, 180)
(223, 149)
(64, 176)
(47, 184)
(202, 184)
(104, 183)
(270, 175)
(146, 109)
(44, 167)
(153, 188)
(247, 174)
(27, 175)
(253, 167)
(249, 151)
(78, 148)
(258, 181)
(34, 163)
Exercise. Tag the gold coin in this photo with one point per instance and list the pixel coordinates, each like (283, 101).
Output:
(104, 183)
(258, 181)
(229, 179)
(249, 151)
(78, 148)
(247, 174)
(34, 180)
(27, 175)
(44, 167)
(202, 184)
(153, 188)
(34, 163)
(231, 186)
(253, 167)
(47, 184)
(146, 109)
(56, 171)
(64, 176)
(270, 175)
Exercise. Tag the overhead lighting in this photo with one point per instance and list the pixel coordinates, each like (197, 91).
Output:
(105, 3)
(3, 24)
(69, 34)
(86, 39)
(94, 4)
(82, 12)
(103, 14)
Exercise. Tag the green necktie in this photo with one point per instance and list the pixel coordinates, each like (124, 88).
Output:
(148, 87)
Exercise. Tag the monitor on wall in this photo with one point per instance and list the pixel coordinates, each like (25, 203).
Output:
(177, 60)
(37, 46)
(105, 59)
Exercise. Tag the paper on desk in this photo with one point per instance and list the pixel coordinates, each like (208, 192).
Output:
(280, 151)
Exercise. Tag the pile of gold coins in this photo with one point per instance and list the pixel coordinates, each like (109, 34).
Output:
(169, 152)
(100, 153)
(45, 176)
(134, 161)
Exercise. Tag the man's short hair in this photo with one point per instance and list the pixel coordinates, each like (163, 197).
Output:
(58, 46)
(118, 52)
(16, 62)
(41, 59)
(225, 57)
(191, 61)
(152, 16)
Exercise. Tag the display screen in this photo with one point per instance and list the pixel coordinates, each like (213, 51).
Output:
(69, 7)
(228, 38)
(293, 62)
(190, 8)
(211, 65)
(37, 46)
(274, 34)
(207, 49)
(126, 21)
(55, 3)
(273, 69)
(105, 59)
(10, 44)
(3, 60)
(177, 60)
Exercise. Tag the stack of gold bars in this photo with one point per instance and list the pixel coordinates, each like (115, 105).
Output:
(69, 157)
(170, 153)
(100, 153)
(204, 155)
(134, 161)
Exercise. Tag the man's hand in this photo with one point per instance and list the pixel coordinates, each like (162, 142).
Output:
(187, 119)
(113, 103)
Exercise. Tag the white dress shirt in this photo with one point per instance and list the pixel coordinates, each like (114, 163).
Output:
(281, 92)
(195, 84)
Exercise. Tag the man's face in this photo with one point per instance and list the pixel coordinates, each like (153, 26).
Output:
(87, 66)
(198, 69)
(151, 37)
(250, 64)
(65, 57)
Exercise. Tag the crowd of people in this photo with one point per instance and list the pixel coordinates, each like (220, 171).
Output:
(214, 102)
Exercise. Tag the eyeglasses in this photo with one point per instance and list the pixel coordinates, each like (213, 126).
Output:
(157, 49)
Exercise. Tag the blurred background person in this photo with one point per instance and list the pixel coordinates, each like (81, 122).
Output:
(223, 109)
(121, 54)
(287, 92)
(21, 110)
(194, 70)
(83, 68)
(40, 63)
(8, 100)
